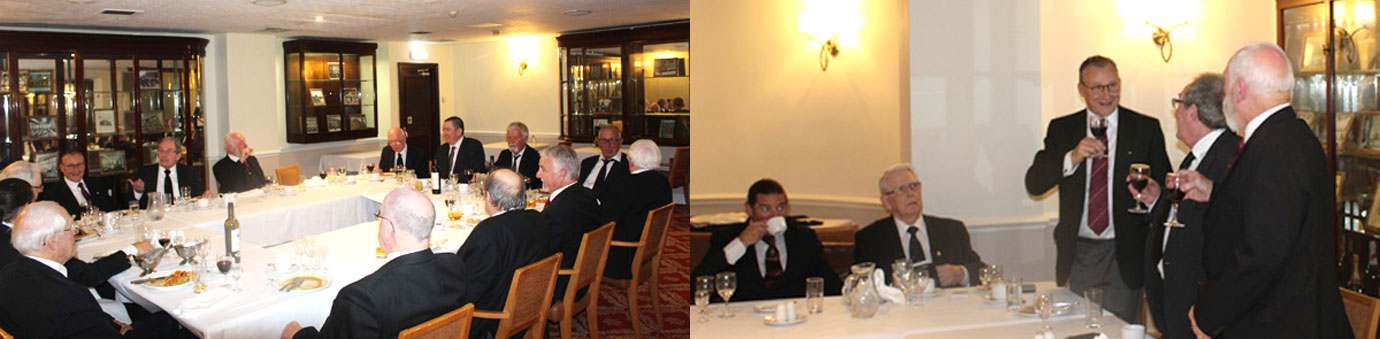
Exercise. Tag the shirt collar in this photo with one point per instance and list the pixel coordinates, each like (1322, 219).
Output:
(614, 158)
(72, 183)
(640, 171)
(1260, 119)
(233, 157)
(51, 264)
(904, 228)
(395, 255)
(1201, 147)
(559, 190)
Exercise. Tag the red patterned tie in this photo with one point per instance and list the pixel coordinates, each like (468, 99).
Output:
(84, 194)
(1232, 161)
(1097, 194)
(773, 262)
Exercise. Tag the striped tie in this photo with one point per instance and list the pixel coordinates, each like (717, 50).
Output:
(1097, 194)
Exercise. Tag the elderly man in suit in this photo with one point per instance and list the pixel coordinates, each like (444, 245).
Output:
(626, 202)
(398, 154)
(519, 156)
(910, 234)
(168, 176)
(512, 237)
(1270, 265)
(572, 209)
(75, 192)
(610, 164)
(239, 170)
(459, 155)
(413, 286)
(1099, 244)
(770, 264)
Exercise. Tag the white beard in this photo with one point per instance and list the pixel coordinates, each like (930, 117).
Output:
(1229, 111)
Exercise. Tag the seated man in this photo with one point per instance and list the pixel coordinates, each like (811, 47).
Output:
(40, 301)
(905, 235)
(755, 254)
(512, 237)
(609, 164)
(398, 154)
(27, 171)
(75, 192)
(168, 176)
(239, 170)
(627, 201)
(572, 210)
(458, 155)
(527, 158)
(14, 195)
(413, 286)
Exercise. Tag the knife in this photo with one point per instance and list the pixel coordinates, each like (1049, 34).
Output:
(291, 285)
(140, 281)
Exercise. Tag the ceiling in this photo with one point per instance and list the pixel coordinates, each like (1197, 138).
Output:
(390, 20)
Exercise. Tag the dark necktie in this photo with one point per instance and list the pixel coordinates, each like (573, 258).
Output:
(1239, 145)
(450, 159)
(399, 163)
(917, 251)
(516, 158)
(84, 194)
(603, 171)
(1097, 194)
(1188, 161)
(167, 182)
(773, 262)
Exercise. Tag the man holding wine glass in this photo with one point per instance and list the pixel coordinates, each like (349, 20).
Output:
(1099, 243)
(1173, 257)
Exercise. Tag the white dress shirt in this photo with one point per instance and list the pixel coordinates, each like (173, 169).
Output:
(599, 166)
(395, 255)
(456, 147)
(158, 186)
(76, 191)
(1084, 231)
(517, 156)
(735, 250)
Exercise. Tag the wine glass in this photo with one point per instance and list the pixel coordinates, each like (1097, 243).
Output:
(236, 273)
(164, 238)
(1044, 306)
(726, 282)
(1140, 177)
(704, 286)
(1171, 184)
(321, 173)
(1098, 126)
(901, 276)
(985, 276)
(369, 166)
(224, 264)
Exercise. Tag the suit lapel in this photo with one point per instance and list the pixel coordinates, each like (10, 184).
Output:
(891, 240)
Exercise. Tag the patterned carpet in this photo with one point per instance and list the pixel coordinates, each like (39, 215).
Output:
(614, 321)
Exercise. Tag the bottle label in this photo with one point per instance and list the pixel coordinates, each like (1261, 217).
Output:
(235, 241)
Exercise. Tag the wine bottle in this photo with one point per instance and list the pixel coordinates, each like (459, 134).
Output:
(232, 232)
(1355, 283)
(435, 179)
(490, 166)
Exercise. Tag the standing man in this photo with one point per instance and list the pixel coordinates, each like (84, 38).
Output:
(1100, 244)
(75, 192)
(458, 155)
(519, 156)
(1269, 268)
(1174, 255)
(239, 170)
(168, 176)
(398, 154)
(910, 234)
(609, 164)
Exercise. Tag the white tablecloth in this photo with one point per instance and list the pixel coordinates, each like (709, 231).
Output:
(951, 315)
(350, 161)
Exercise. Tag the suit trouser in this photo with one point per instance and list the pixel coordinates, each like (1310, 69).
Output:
(1095, 266)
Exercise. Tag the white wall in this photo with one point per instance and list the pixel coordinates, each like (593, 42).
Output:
(489, 93)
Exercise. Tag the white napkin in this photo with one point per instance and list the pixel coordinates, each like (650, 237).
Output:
(315, 182)
(887, 292)
(206, 301)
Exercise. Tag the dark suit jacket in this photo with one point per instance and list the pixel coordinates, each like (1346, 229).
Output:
(405, 292)
(804, 259)
(471, 157)
(41, 303)
(1170, 297)
(496, 248)
(59, 192)
(591, 166)
(186, 177)
(949, 244)
(94, 274)
(238, 176)
(570, 215)
(1270, 266)
(528, 168)
(1139, 140)
(627, 202)
(414, 159)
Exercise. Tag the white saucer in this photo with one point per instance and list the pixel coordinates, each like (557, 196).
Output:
(770, 320)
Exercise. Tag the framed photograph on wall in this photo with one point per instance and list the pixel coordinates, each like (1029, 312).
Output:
(357, 122)
(40, 81)
(148, 80)
(112, 161)
(4, 81)
(333, 70)
(312, 127)
(48, 163)
(351, 95)
(334, 123)
(152, 122)
(318, 97)
(23, 81)
(669, 67)
(104, 120)
(43, 127)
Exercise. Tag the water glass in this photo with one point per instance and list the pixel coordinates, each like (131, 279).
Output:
(704, 287)
(726, 283)
(919, 282)
(1093, 296)
(1044, 307)
(814, 294)
(1014, 299)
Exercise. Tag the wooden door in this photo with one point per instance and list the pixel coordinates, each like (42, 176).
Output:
(420, 105)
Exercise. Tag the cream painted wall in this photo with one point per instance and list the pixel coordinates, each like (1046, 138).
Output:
(764, 109)
(489, 93)
(399, 52)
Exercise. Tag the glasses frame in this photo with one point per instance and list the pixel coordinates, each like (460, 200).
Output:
(907, 188)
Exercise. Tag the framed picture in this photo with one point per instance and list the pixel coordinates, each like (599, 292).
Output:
(334, 123)
(112, 161)
(318, 97)
(4, 81)
(126, 121)
(40, 81)
(23, 81)
(104, 120)
(1314, 58)
(101, 100)
(312, 128)
(148, 80)
(333, 70)
(152, 122)
(43, 127)
(669, 67)
(668, 128)
(48, 164)
(357, 122)
(351, 96)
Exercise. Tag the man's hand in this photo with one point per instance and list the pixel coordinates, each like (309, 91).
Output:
(143, 246)
(1087, 147)
(291, 329)
(949, 275)
(208, 194)
(138, 184)
(1193, 321)
(754, 232)
(246, 152)
(1149, 194)
(1195, 186)
(123, 326)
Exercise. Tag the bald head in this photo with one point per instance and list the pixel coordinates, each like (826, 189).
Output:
(411, 214)
(1258, 77)
(397, 139)
(40, 230)
(506, 191)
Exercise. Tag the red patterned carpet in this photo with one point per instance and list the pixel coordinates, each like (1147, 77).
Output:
(675, 295)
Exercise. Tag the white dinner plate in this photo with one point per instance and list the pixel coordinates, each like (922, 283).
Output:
(158, 278)
(1060, 308)
(311, 282)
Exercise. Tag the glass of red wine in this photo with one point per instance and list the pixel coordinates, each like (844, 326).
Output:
(224, 264)
(1098, 126)
(1140, 178)
(1171, 185)
(164, 238)
(322, 174)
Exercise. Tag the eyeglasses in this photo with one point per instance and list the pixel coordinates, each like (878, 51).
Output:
(608, 140)
(379, 216)
(76, 165)
(1104, 89)
(907, 188)
(1175, 102)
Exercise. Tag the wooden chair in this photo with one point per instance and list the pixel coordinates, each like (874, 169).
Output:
(646, 264)
(680, 171)
(289, 176)
(699, 247)
(1362, 311)
(588, 271)
(528, 299)
(454, 324)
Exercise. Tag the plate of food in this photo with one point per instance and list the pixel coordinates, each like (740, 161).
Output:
(175, 280)
(83, 234)
(1060, 308)
(303, 283)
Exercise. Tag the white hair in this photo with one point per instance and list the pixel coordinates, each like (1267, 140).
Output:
(35, 223)
(410, 211)
(520, 127)
(1255, 69)
(883, 185)
(644, 154)
(23, 170)
(564, 158)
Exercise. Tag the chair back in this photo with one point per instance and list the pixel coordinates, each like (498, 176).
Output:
(680, 171)
(289, 176)
(1362, 311)
(526, 306)
(589, 266)
(5, 335)
(653, 235)
(699, 247)
(453, 324)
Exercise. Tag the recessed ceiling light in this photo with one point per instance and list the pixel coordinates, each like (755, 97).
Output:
(81, 2)
(320, 18)
(268, 3)
(453, 13)
(486, 25)
(577, 12)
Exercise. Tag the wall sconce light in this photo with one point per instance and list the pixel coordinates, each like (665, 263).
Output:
(523, 52)
(830, 24)
(1162, 19)
(1161, 38)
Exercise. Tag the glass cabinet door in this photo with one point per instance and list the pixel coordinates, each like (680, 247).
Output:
(663, 75)
(7, 79)
(593, 89)
(44, 109)
(110, 127)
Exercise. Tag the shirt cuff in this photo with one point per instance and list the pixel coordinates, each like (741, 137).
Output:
(964, 282)
(1069, 166)
(130, 250)
(734, 251)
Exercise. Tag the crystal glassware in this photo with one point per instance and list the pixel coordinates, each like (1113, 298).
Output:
(725, 283)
